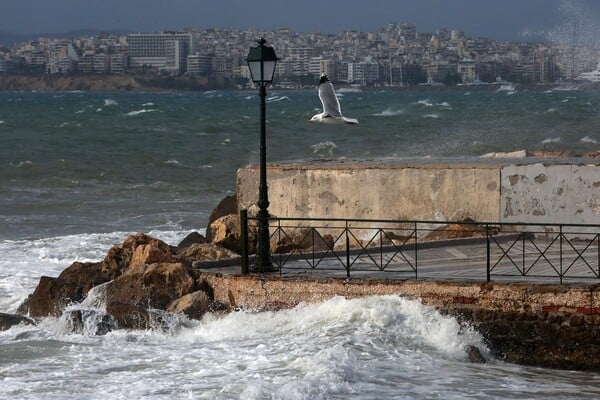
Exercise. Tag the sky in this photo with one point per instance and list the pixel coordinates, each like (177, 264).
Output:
(496, 19)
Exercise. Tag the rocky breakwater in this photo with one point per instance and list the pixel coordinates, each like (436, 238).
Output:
(139, 282)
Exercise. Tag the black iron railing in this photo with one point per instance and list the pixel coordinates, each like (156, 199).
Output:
(428, 249)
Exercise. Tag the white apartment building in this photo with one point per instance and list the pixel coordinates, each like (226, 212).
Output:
(153, 49)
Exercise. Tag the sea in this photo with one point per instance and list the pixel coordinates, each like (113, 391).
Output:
(80, 171)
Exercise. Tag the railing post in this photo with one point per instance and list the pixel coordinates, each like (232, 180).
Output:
(488, 262)
(244, 240)
(347, 252)
(416, 254)
(561, 252)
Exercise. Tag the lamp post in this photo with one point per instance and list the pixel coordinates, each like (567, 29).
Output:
(261, 62)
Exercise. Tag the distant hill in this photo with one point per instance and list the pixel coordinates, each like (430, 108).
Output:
(9, 39)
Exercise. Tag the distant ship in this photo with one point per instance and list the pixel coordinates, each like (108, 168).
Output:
(592, 76)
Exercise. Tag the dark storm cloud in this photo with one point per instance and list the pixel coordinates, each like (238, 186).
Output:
(501, 19)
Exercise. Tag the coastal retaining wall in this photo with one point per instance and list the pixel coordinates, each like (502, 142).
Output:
(544, 325)
(525, 191)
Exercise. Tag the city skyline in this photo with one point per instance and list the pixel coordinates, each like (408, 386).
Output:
(500, 20)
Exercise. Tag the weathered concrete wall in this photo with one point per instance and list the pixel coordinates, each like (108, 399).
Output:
(483, 191)
(544, 325)
(382, 191)
(551, 194)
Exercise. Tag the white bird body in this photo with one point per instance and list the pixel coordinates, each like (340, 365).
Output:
(332, 112)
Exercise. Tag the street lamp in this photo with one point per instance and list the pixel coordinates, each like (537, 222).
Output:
(261, 62)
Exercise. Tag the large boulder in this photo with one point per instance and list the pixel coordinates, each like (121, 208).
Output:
(52, 295)
(194, 304)
(87, 275)
(227, 206)
(129, 296)
(119, 256)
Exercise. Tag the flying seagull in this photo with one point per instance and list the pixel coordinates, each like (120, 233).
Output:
(332, 112)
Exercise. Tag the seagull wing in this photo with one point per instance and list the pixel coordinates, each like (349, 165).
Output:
(331, 104)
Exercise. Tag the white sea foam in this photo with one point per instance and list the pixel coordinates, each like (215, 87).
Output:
(551, 110)
(434, 116)
(426, 103)
(390, 112)
(172, 162)
(138, 112)
(23, 164)
(587, 139)
(275, 99)
(551, 140)
(444, 104)
(324, 147)
(110, 103)
(99, 110)
(150, 104)
(2, 122)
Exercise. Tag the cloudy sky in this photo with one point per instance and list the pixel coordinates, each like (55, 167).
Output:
(497, 19)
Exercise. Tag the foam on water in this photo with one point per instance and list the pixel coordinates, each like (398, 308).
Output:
(390, 112)
(374, 347)
(324, 147)
(587, 139)
(551, 140)
(138, 112)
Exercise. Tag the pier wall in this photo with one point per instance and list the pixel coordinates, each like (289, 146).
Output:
(545, 325)
(531, 192)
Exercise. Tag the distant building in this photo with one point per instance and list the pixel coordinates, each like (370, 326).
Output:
(160, 50)
(199, 64)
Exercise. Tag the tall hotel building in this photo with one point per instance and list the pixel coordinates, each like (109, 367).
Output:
(165, 51)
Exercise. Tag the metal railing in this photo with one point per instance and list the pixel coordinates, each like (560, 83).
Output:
(428, 249)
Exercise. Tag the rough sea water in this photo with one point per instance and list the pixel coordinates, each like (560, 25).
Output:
(80, 171)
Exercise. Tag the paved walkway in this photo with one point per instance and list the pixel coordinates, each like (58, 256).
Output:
(510, 261)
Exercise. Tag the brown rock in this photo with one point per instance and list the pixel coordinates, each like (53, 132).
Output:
(194, 304)
(550, 153)
(156, 287)
(455, 231)
(227, 206)
(207, 252)
(52, 295)
(146, 254)
(300, 239)
(87, 275)
(592, 154)
(119, 256)
(225, 232)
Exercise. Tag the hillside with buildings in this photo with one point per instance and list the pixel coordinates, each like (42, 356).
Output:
(394, 55)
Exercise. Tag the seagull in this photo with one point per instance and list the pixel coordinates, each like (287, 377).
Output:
(332, 112)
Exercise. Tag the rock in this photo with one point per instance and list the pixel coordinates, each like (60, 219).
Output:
(474, 355)
(189, 240)
(119, 256)
(227, 206)
(9, 320)
(89, 322)
(87, 275)
(592, 154)
(456, 231)
(52, 295)
(301, 239)
(146, 254)
(130, 296)
(207, 252)
(194, 304)
(226, 232)
(550, 153)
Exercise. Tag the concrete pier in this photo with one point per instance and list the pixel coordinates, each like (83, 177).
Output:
(553, 326)
(532, 323)
(524, 190)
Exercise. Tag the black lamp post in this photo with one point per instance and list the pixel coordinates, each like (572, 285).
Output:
(261, 62)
